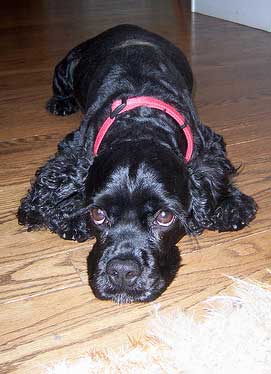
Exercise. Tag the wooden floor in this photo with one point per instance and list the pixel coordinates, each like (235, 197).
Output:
(47, 310)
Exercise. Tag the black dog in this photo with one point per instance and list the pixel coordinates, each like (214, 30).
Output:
(153, 173)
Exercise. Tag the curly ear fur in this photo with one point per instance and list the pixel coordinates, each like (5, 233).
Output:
(56, 198)
(215, 203)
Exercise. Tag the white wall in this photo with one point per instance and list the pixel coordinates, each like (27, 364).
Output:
(254, 13)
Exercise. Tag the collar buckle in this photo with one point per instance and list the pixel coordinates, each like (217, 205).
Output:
(118, 109)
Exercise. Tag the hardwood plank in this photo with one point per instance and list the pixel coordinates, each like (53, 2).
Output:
(232, 80)
(30, 278)
(206, 271)
(18, 245)
(31, 121)
(226, 117)
(215, 40)
(64, 324)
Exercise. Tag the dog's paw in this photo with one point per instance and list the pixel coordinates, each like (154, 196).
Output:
(62, 106)
(67, 236)
(234, 213)
(75, 235)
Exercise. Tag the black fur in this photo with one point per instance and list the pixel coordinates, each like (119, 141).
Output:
(140, 169)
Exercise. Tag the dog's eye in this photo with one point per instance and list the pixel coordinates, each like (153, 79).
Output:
(98, 216)
(164, 218)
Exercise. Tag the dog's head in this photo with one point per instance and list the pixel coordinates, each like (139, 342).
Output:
(139, 201)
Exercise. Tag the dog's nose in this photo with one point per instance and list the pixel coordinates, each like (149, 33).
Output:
(123, 272)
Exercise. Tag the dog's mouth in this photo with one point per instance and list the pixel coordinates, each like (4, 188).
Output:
(126, 298)
(103, 290)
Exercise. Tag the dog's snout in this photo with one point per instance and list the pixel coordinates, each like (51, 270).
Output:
(123, 272)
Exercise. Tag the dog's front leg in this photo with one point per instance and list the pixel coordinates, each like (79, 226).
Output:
(216, 204)
(56, 197)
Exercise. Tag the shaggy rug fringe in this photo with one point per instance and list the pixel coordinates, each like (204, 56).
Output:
(235, 337)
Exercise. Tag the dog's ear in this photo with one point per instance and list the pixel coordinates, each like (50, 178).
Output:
(56, 199)
(210, 174)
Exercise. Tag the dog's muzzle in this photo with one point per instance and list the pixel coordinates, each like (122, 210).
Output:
(127, 267)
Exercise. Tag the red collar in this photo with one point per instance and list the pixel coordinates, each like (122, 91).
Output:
(119, 107)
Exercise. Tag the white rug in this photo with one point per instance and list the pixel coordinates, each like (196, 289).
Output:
(234, 338)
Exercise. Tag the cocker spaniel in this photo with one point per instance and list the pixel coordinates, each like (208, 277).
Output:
(140, 172)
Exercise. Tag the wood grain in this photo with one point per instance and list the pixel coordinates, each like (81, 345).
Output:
(47, 310)
(26, 279)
